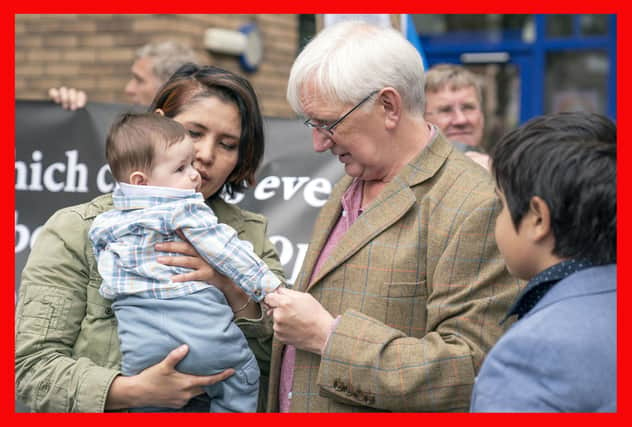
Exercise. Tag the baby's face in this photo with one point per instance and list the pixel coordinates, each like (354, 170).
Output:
(173, 167)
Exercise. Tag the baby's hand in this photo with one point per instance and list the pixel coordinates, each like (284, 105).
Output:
(267, 307)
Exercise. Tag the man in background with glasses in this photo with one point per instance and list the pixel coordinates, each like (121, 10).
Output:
(402, 289)
(454, 104)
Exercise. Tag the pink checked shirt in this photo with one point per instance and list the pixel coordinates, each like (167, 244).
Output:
(351, 210)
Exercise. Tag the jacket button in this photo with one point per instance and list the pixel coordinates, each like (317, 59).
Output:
(108, 311)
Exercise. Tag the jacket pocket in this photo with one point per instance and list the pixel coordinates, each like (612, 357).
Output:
(43, 312)
(405, 289)
(406, 306)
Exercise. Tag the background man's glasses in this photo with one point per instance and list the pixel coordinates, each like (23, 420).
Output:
(329, 128)
(449, 111)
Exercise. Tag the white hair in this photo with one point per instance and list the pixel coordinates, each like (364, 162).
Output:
(349, 60)
(167, 57)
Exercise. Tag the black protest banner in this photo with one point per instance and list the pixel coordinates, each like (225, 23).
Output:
(60, 161)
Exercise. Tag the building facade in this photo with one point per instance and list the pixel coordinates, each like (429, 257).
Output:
(94, 52)
(531, 64)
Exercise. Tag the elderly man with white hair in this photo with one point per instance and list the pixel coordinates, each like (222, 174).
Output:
(402, 288)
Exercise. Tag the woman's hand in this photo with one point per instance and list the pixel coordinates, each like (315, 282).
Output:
(299, 319)
(189, 258)
(238, 300)
(160, 385)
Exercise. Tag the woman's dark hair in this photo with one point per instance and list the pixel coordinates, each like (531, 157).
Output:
(191, 82)
(569, 160)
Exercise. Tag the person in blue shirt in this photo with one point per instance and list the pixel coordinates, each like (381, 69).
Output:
(152, 157)
(556, 178)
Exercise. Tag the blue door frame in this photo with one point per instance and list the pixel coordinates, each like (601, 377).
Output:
(529, 57)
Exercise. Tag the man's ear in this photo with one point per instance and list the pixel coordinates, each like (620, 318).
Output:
(539, 219)
(159, 111)
(391, 103)
(138, 178)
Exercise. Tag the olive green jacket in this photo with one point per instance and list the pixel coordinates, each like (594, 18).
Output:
(67, 348)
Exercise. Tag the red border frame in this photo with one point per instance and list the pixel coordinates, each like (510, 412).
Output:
(7, 68)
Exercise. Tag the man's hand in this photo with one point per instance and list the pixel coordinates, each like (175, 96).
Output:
(299, 319)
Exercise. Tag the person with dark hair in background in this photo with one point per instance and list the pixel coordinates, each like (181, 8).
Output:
(556, 178)
(402, 287)
(154, 63)
(67, 355)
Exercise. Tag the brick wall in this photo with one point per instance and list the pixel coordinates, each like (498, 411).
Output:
(95, 52)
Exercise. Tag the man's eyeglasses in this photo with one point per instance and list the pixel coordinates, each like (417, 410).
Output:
(329, 127)
(448, 111)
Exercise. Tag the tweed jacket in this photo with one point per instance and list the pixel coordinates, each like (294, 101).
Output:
(561, 356)
(66, 345)
(420, 287)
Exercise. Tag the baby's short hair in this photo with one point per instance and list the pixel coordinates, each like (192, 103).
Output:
(133, 139)
(570, 161)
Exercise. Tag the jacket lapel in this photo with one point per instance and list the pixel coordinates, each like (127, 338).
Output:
(393, 202)
(325, 222)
